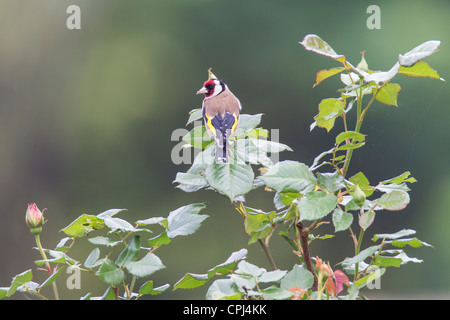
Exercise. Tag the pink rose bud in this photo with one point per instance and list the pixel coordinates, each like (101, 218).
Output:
(34, 218)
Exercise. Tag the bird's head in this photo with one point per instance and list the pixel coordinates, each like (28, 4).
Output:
(212, 88)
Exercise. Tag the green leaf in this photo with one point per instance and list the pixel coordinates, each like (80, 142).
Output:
(420, 69)
(191, 281)
(331, 182)
(103, 241)
(159, 240)
(393, 201)
(146, 266)
(247, 151)
(351, 135)
(229, 264)
(388, 94)
(261, 233)
(284, 199)
(223, 289)
(248, 268)
(396, 235)
(418, 53)
(382, 261)
(272, 276)
(396, 184)
(160, 289)
(198, 138)
(412, 242)
(350, 146)
(366, 219)
(83, 225)
(87, 296)
(61, 244)
(185, 220)
(316, 164)
(150, 221)
(231, 179)
(19, 280)
(247, 123)
(381, 76)
(147, 288)
(193, 208)
(299, 276)
(324, 237)
(258, 133)
(353, 293)
(195, 114)
(325, 74)
(247, 282)
(290, 176)
(193, 179)
(274, 293)
(361, 256)
(109, 213)
(314, 43)
(361, 180)
(30, 286)
(404, 177)
(354, 90)
(258, 224)
(115, 224)
(108, 295)
(317, 204)
(405, 259)
(91, 260)
(57, 257)
(205, 157)
(3, 292)
(329, 110)
(392, 187)
(109, 273)
(50, 279)
(350, 80)
(373, 275)
(130, 253)
(341, 220)
(267, 146)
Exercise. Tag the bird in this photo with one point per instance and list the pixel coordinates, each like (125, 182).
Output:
(221, 109)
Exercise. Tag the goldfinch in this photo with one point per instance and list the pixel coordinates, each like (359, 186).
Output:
(221, 111)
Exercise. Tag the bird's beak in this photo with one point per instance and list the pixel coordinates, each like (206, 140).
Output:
(202, 90)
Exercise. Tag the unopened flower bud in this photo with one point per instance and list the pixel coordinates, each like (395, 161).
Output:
(34, 218)
(359, 196)
(362, 65)
(211, 75)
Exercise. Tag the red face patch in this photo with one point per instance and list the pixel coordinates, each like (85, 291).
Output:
(209, 85)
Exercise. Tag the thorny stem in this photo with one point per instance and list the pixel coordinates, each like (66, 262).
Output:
(49, 270)
(304, 233)
(116, 293)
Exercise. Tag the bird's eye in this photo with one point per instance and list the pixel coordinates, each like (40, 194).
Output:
(209, 86)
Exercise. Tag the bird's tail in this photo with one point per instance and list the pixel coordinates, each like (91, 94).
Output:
(223, 125)
(222, 146)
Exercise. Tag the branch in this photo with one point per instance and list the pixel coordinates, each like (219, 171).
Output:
(304, 233)
(267, 252)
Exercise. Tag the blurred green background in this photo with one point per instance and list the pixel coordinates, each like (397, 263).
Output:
(86, 118)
